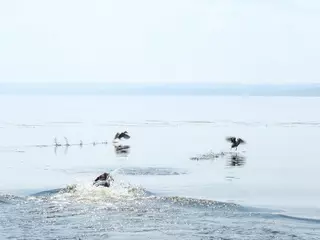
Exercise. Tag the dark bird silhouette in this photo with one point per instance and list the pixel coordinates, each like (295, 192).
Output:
(235, 142)
(122, 135)
(56, 143)
(67, 142)
(103, 180)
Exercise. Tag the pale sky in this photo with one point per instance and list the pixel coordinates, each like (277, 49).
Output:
(239, 41)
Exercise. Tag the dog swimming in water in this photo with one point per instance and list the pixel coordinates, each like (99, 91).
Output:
(103, 180)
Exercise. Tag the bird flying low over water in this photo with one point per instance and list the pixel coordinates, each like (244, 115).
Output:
(122, 135)
(56, 142)
(67, 142)
(235, 142)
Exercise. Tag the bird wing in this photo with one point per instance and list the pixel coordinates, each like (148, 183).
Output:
(116, 136)
(231, 139)
(111, 178)
(98, 178)
(102, 177)
(241, 141)
(126, 136)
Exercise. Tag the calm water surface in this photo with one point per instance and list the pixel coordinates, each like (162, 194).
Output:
(267, 189)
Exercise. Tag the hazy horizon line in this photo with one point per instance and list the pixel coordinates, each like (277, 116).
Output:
(194, 89)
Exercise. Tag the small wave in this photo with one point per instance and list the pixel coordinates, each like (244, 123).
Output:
(211, 156)
(275, 214)
(9, 199)
(207, 156)
(305, 219)
(151, 171)
(87, 193)
(121, 193)
(4, 201)
(218, 205)
(195, 202)
(48, 192)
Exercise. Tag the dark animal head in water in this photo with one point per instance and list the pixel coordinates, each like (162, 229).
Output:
(103, 180)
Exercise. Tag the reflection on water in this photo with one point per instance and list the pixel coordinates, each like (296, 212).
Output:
(56, 145)
(233, 160)
(208, 156)
(67, 146)
(152, 171)
(235, 157)
(236, 160)
(122, 150)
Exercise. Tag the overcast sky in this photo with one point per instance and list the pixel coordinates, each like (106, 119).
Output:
(247, 41)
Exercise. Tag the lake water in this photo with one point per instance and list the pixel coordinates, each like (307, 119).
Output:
(266, 189)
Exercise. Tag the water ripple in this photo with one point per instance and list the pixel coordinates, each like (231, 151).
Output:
(151, 171)
(81, 212)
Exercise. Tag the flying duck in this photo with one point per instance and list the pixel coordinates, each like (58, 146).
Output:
(122, 135)
(56, 142)
(235, 142)
(67, 142)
